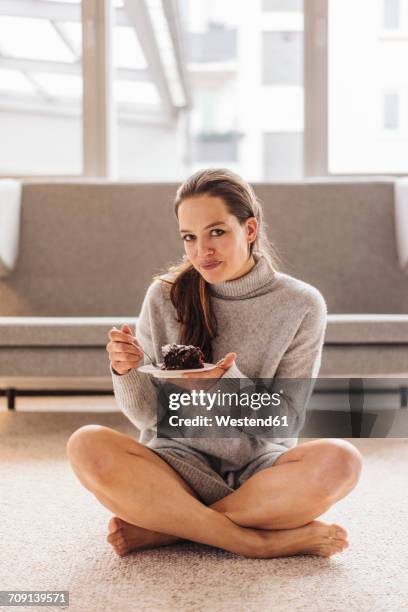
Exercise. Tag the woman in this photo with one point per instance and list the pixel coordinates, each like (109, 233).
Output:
(254, 496)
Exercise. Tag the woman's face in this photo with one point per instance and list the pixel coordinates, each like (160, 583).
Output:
(212, 234)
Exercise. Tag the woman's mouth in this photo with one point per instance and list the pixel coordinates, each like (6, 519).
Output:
(211, 266)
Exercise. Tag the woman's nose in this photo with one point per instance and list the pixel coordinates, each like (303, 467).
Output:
(203, 248)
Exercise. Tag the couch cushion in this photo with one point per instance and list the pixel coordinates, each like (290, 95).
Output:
(367, 329)
(59, 331)
(94, 256)
(401, 221)
(369, 361)
(339, 236)
(93, 331)
(104, 230)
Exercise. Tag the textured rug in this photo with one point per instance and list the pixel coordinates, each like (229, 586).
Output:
(52, 537)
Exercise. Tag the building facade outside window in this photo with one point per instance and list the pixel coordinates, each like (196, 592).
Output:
(391, 14)
(391, 111)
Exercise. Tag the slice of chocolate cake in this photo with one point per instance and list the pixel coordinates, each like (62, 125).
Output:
(182, 357)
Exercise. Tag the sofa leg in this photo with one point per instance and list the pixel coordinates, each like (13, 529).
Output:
(404, 397)
(11, 398)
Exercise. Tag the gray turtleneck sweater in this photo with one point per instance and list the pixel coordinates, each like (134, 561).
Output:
(273, 322)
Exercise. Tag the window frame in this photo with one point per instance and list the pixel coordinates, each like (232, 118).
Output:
(316, 111)
(98, 115)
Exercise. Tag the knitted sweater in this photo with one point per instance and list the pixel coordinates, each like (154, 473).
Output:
(274, 322)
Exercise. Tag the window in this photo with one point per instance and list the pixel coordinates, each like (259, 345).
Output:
(391, 14)
(282, 58)
(215, 138)
(193, 82)
(283, 156)
(215, 148)
(150, 91)
(282, 5)
(391, 111)
(367, 128)
(40, 90)
(217, 44)
(245, 67)
(203, 82)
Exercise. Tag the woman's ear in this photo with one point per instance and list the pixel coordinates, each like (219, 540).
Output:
(252, 228)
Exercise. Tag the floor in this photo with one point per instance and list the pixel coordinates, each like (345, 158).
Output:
(53, 533)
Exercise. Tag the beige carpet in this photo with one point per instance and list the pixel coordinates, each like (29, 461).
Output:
(53, 538)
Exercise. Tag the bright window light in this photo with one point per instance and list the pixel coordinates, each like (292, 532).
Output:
(15, 81)
(368, 128)
(225, 12)
(60, 85)
(127, 52)
(136, 93)
(115, 3)
(32, 39)
(73, 32)
(166, 50)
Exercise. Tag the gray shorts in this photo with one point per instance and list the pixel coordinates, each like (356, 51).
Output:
(200, 471)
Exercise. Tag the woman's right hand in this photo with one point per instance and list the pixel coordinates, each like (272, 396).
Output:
(124, 354)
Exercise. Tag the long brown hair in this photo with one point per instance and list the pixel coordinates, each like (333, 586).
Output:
(190, 292)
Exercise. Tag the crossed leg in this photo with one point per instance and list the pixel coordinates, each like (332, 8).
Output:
(272, 514)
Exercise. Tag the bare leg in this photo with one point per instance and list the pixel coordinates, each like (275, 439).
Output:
(131, 481)
(117, 495)
(319, 473)
(302, 484)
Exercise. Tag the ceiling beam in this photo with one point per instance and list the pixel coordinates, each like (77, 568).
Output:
(67, 42)
(29, 105)
(38, 88)
(15, 104)
(54, 11)
(51, 67)
(139, 18)
(172, 14)
(61, 11)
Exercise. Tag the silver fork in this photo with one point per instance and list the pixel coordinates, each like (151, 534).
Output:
(143, 351)
(147, 355)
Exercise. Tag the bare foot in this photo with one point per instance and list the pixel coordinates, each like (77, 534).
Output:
(315, 538)
(125, 537)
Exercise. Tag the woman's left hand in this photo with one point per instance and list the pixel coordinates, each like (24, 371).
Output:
(223, 365)
(197, 383)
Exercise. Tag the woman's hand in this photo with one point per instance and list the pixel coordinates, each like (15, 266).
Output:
(205, 380)
(223, 365)
(123, 350)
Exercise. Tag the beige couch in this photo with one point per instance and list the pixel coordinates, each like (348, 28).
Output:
(88, 250)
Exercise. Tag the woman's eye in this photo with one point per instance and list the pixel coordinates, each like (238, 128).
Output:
(186, 237)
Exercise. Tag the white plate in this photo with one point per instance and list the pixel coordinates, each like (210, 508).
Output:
(158, 373)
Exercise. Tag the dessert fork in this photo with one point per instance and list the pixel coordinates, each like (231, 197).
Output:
(147, 355)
